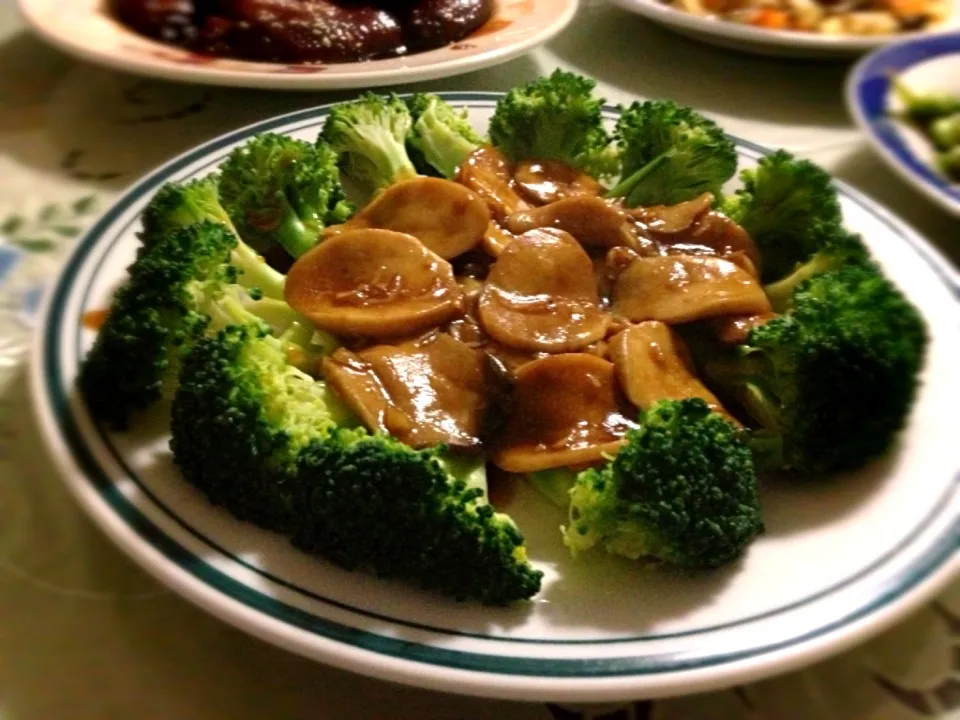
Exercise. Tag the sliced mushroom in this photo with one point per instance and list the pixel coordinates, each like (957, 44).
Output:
(712, 234)
(670, 219)
(735, 329)
(653, 364)
(507, 359)
(541, 295)
(445, 216)
(591, 220)
(682, 288)
(546, 181)
(564, 411)
(374, 283)
(487, 173)
(425, 392)
(496, 239)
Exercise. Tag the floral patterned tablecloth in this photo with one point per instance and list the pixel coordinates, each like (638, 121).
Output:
(86, 635)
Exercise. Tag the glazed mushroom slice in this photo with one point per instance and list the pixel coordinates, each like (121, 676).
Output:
(653, 364)
(433, 390)
(496, 239)
(545, 181)
(682, 288)
(591, 220)
(712, 234)
(541, 295)
(735, 329)
(445, 216)
(672, 219)
(487, 173)
(373, 283)
(564, 411)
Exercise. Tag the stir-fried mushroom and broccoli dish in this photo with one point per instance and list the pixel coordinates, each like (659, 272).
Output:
(576, 307)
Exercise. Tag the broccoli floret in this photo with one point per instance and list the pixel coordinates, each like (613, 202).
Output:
(173, 291)
(831, 382)
(682, 490)
(670, 154)
(369, 134)
(782, 201)
(555, 118)
(836, 247)
(270, 444)
(278, 189)
(441, 138)
(176, 206)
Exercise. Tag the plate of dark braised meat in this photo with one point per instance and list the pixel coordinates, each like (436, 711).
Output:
(290, 44)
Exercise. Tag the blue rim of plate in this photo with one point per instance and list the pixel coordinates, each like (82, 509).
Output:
(870, 86)
(57, 397)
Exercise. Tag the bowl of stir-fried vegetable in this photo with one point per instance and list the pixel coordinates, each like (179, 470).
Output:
(800, 28)
(907, 100)
(513, 394)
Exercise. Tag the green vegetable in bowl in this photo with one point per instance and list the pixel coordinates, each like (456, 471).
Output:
(441, 137)
(949, 163)
(945, 131)
(555, 118)
(670, 154)
(781, 203)
(682, 490)
(829, 383)
(280, 190)
(924, 107)
(370, 135)
(274, 447)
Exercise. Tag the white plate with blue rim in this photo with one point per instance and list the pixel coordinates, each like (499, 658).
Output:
(839, 561)
(925, 65)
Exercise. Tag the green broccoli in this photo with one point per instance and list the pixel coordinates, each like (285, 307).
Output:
(369, 134)
(831, 382)
(270, 445)
(441, 138)
(781, 202)
(277, 189)
(682, 490)
(670, 154)
(555, 118)
(176, 206)
(174, 288)
(836, 247)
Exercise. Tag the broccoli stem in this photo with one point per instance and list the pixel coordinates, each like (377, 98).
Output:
(255, 272)
(625, 187)
(291, 232)
(780, 292)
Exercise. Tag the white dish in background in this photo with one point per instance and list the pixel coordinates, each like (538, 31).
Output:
(782, 43)
(926, 65)
(84, 28)
(839, 562)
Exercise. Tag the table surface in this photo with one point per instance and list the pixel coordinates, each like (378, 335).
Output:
(84, 634)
